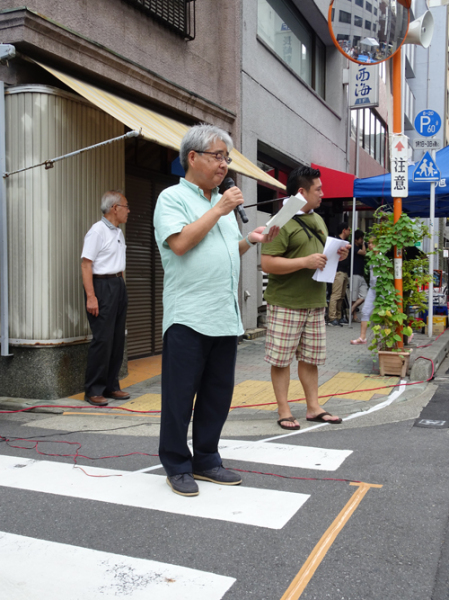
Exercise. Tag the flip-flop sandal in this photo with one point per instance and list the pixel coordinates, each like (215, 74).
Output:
(319, 419)
(292, 420)
(359, 341)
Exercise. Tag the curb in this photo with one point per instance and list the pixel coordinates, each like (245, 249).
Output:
(422, 369)
(252, 334)
(40, 406)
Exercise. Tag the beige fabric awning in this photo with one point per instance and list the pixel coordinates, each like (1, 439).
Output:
(154, 127)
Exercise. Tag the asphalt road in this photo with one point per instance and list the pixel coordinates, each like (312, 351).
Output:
(392, 544)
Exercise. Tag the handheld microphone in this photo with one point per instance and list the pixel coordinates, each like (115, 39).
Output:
(229, 183)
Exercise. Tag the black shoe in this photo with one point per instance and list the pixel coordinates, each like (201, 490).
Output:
(183, 484)
(219, 475)
(344, 321)
(335, 323)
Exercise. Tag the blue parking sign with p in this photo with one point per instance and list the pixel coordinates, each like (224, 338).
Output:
(427, 123)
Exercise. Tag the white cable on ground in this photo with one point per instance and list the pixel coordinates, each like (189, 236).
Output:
(387, 402)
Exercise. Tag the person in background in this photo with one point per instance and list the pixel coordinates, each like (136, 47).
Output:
(336, 317)
(102, 267)
(368, 305)
(359, 285)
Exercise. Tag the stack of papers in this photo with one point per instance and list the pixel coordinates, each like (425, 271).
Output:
(331, 251)
(291, 206)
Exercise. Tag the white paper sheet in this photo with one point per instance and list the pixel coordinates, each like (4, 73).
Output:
(330, 250)
(291, 206)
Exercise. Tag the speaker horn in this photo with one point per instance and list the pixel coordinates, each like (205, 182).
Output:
(420, 31)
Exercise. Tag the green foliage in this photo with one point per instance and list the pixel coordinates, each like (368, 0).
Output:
(388, 317)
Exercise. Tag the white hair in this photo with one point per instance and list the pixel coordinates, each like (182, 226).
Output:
(109, 199)
(199, 138)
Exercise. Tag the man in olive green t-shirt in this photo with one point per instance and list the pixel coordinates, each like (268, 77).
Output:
(296, 303)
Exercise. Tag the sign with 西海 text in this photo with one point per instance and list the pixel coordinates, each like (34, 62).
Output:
(363, 86)
(399, 166)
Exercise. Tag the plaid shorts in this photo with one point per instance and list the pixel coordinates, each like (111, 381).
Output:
(295, 331)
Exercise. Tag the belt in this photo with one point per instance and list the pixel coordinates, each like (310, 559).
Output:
(108, 276)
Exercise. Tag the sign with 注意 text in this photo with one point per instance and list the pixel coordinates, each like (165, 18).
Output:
(399, 164)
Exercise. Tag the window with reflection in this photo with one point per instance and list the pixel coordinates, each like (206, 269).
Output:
(288, 34)
(373, 134)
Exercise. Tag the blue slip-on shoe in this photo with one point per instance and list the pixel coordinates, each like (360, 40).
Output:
(219, 475)
(183, 484)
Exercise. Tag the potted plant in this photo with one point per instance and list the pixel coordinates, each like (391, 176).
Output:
(388, 317)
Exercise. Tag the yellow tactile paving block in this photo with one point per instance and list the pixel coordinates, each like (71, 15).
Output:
(138, 370)
(251, 393)
(145, 403)
(347, 382)
(142, 369)
(261, 392)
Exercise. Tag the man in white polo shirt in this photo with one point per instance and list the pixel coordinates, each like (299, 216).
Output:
(102, 267)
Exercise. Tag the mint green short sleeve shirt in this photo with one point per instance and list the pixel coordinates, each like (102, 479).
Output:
(200, 287)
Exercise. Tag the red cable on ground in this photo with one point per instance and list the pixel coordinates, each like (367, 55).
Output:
(232, 407)
(77, 455)
(300, 478)
(427, 345)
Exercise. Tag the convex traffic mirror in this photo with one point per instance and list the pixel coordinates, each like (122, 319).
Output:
(369, 31)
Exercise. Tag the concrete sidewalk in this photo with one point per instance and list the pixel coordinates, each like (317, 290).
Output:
(348, 370)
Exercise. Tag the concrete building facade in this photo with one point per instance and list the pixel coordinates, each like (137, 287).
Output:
(293, 107)
(179, 58)
(267, 71)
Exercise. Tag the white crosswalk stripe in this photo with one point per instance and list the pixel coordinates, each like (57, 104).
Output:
(51, 565)
(286, 455)
(237, 504)
(50, 569)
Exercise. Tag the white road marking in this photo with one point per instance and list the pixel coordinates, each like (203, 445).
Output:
(148, 469)
(237, 504)
(34, 569)
(285, 455)
(391, 398)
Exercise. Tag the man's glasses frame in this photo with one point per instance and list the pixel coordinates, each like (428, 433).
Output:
(217, 155)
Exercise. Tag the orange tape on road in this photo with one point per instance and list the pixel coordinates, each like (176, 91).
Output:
(299, 583)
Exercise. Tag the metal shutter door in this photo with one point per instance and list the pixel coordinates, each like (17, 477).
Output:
(144, 273)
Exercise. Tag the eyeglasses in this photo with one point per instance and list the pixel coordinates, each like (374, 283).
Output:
(123, 205)
(217, 155)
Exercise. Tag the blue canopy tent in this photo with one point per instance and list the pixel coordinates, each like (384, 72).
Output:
(376, 191)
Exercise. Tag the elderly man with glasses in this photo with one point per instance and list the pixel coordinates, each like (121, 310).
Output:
(102, 267)
(200, 245)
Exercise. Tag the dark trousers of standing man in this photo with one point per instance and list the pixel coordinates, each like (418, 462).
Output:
(108, 337)
(193, 363)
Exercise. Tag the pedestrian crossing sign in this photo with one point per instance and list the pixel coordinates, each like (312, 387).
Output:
(426, 170)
